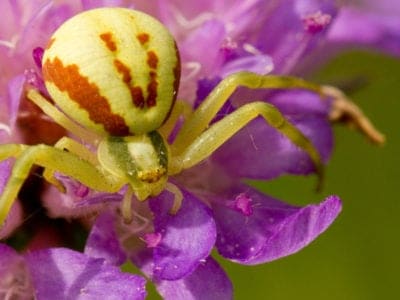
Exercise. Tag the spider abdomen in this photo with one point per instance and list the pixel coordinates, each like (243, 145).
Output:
(113, 70)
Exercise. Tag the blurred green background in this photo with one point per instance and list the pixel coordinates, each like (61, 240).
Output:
(358, 256)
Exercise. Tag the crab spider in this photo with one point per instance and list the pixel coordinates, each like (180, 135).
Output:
(125, 116)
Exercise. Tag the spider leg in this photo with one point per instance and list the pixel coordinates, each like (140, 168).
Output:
(343, 109)
(11, 150)
(203, 115)
(72, 146)
(126, 206)
(61, 119)
(178, 197)
(55, 159)
(208, 141)
(179, 108)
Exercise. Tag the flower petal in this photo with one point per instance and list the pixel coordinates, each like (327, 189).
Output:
(15, 282)
(211, 34)
(60, 273)
(239, 16)
(14, 219)
(379, 30)
(260, 64)
(90, 4)
(187, 237)
(194, 63)
(209, 281)
(8, 258)
(274, 229)
(15, 88)
(5, 172)
(103, 241)
(290, 30)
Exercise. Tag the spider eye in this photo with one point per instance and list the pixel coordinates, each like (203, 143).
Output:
(113, 70)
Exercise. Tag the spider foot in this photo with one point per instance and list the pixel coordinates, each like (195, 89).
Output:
(126, 206)
(178, 197)
(345, 111)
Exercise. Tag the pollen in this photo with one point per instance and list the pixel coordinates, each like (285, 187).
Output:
(316, 22)
(152, 240)
(243, 204)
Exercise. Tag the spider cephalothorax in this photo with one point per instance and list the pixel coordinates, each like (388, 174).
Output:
(113, 74)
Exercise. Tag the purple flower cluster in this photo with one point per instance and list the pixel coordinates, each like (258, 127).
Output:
(215, 39)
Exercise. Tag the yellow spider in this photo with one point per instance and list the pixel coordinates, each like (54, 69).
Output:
(113, 74)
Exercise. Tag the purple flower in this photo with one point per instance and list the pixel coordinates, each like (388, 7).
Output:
(215, 39)
(60, 273)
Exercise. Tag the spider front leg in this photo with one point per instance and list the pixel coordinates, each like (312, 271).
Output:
(207, 142)
(54, 159)
(180, 108)
(202, 116)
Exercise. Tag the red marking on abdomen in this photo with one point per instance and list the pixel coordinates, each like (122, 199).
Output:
(124, 70)
(136, 91)
(152, 62)
(86, 94)
(107, 38)
(152, 90)
(137, 96)
(152, 59)
(143, 38)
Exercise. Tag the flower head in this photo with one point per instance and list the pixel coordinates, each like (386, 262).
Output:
(218, 210)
